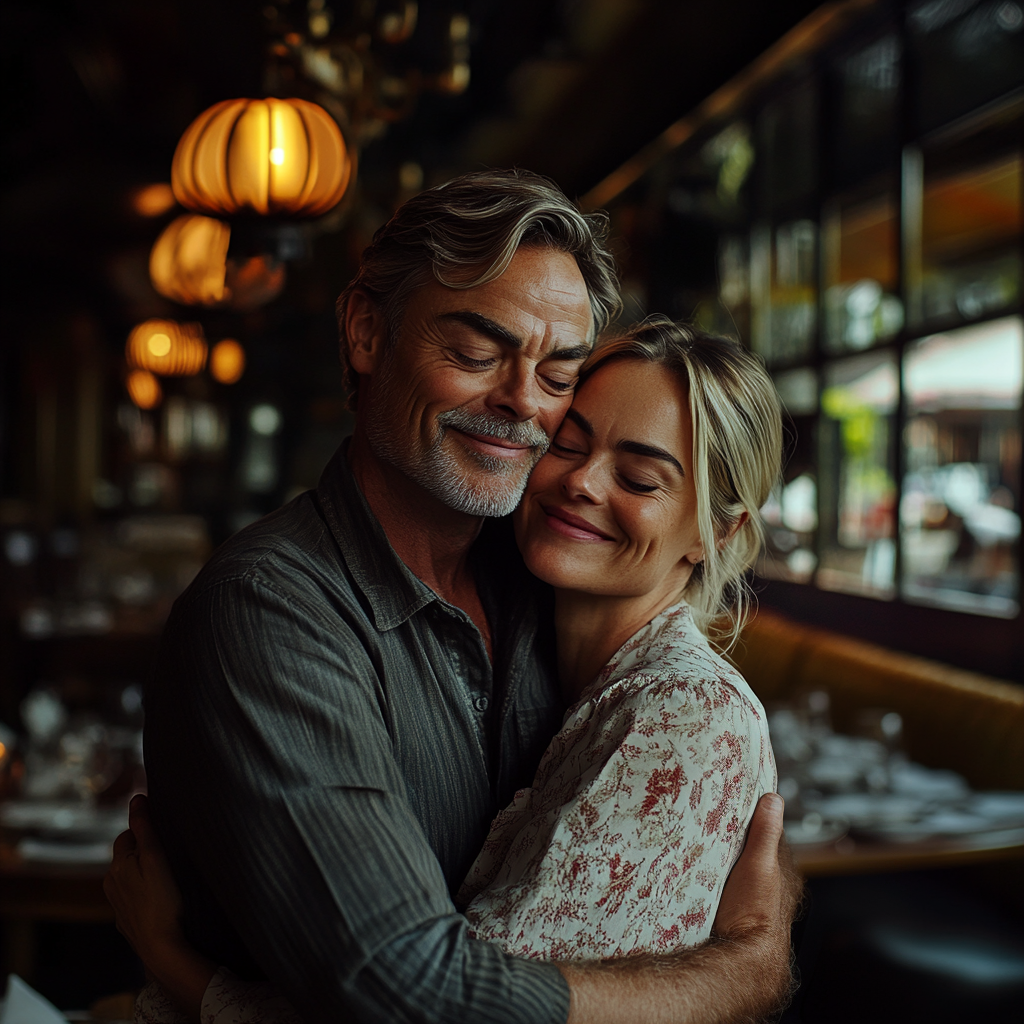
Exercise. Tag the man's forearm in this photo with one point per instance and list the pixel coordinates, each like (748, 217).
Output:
(725, 981)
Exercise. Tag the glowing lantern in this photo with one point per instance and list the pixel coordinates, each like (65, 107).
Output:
(277, 157)
(227, 361)
(144, 389)
(167, 347)
(189, 264)
(152, 200)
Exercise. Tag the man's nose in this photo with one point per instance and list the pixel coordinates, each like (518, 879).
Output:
(517, 394)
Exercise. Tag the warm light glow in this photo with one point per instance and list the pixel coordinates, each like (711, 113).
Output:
(188, 261)
(227, 361)
(189, 264)
(167, 347)
(159, 345)
(153, 200)
(231, 159)
(144, 389)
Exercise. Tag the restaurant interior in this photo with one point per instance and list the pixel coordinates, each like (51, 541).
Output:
(838, 186)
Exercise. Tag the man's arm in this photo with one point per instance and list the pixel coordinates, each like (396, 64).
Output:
(741, 975)
(273, 773)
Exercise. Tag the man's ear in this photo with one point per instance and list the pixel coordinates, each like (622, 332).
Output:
(364, 332)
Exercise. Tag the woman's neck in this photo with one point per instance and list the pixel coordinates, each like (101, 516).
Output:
(591, 628)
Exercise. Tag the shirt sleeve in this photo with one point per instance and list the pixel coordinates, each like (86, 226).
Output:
(273, 778)
(637, 815)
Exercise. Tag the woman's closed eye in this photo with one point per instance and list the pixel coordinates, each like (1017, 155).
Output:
(637, 485)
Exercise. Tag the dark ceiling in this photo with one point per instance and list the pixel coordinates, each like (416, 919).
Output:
(97, 92)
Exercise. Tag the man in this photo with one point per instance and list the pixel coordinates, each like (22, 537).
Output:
(355, 685)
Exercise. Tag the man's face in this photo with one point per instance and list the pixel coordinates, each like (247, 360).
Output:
(477, 381)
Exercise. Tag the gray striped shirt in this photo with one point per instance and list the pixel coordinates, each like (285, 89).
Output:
(326, 744)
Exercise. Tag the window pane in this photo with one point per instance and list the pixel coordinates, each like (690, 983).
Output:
(783, 279)
(866, 130)
(856, 475)
(960, 510)
(791, 513)
(968, 231)
(968, 53)
(734, 283)
(787, 144)
(861, 243)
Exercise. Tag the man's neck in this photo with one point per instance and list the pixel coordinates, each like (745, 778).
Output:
(432, 539)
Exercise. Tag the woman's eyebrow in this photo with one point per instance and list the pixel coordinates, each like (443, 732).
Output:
(639, 448)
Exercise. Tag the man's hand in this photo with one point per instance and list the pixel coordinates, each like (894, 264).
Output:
(762, 892)
(742, 974)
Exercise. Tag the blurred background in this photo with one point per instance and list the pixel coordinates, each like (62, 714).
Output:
(838, 186)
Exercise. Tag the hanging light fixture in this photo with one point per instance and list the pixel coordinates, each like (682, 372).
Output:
(167, 347)
(144, 389)
(189, 263)
(227, 361)
(273, 157)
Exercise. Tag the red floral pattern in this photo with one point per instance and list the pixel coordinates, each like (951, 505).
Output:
(637, 812)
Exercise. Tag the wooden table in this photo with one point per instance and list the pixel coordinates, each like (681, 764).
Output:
(32, 892)
(851, 856)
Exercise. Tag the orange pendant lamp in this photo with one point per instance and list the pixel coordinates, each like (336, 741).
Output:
(167, 347)
(273, 157)
(189, 264)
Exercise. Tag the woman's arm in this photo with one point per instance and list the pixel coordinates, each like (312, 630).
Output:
(147, 909)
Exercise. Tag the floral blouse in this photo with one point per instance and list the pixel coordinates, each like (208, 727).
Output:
(638, 810)
(625, 839)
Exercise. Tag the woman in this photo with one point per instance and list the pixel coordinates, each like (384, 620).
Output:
(643, 516)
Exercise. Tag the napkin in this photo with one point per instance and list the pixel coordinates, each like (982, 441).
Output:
(24, 1005)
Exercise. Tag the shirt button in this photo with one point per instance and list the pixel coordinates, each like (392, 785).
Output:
(481, 703)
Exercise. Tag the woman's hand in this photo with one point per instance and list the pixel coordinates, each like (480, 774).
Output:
(147, 911)
(141, 888)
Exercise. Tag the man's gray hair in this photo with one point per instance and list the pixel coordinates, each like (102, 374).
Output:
(465, 232)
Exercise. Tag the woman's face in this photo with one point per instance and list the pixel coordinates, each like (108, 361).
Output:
(611, 508)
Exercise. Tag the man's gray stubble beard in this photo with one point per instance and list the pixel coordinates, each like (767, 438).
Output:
(438, 471)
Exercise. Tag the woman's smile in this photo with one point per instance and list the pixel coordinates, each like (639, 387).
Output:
(569, 525)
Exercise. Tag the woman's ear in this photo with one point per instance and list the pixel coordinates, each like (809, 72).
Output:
(733, 529)
(364, 332)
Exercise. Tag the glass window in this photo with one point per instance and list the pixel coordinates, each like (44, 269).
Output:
(963, 237)
(967, 52)
(960, 509)
(866, 129)
(787, 145)
(734, 282)
(784, 293)
(856, 474)
(861, 267)
(791, 513)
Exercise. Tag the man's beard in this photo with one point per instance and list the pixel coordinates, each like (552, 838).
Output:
(494, 490)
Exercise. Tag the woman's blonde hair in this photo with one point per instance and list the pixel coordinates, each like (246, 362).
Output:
(737, 455)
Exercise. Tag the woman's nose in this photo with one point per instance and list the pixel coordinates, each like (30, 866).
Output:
(581, 482)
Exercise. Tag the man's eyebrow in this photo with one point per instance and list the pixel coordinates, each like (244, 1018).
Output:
(483, 325)
(638, 448)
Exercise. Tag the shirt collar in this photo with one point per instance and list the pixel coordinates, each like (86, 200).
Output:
(392, 591)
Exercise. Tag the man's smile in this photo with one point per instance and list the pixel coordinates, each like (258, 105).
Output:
(496, 446)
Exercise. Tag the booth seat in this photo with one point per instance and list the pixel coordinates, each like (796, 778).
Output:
(951, 718)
